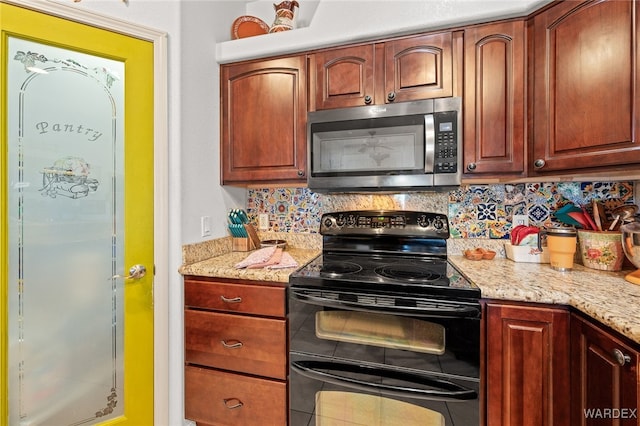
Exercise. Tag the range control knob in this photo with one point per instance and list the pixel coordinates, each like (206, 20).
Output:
(439, 224)
(328, 222)
(423, 221)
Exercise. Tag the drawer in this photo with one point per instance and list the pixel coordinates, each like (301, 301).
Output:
(234, 342)
(231, 297)
(219, 398)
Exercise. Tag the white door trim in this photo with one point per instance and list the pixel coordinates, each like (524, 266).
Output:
(161, 180)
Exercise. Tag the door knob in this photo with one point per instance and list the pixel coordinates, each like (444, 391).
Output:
(135, 273)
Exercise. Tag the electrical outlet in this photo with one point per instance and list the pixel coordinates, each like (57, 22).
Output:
(520, 219)
(205, 226)
(263, 221)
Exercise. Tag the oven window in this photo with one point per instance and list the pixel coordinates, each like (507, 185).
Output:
(385, 331)
(380, 149)
(357, 409)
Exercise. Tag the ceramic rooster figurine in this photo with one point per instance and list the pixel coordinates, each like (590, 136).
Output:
(284, 16)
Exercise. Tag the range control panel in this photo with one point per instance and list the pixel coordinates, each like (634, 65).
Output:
(385, 222)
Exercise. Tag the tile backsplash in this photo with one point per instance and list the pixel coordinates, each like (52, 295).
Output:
(474, 211)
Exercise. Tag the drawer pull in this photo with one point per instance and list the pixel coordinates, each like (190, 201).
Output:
(231, 300)
(232, 403)
(235, 345)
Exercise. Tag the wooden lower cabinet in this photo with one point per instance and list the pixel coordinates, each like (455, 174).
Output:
(527, 365)
(236, 361)
(215, 397)
(604, 376)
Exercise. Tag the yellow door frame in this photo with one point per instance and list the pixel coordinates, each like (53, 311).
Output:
(160, 202)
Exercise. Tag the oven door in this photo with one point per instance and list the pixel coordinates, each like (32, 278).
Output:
(366, 359)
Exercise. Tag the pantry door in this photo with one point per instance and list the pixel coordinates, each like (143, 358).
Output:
(77, 223)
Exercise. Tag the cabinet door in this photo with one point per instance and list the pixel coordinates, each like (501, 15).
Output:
(527, 359)
(345, 77)
(264, 115)
(586, 101)
(494, 97)
(419, 68)
(604, 377)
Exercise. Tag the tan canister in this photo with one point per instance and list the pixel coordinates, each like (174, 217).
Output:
(561, 245)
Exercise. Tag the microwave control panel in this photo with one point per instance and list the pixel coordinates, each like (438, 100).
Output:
(446, 142)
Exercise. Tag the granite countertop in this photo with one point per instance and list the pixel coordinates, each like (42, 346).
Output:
(605, 296)
(222, 266)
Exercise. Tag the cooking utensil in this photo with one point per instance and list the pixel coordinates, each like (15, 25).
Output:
(614, 223)
(626, 212)
(592, 224)
(599, 215)
(562, 214)
(581, 219)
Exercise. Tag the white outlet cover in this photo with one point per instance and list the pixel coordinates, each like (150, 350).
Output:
(263, 221)
(520, 219)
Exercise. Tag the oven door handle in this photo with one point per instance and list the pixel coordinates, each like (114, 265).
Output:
(444, 390)
(447, 310)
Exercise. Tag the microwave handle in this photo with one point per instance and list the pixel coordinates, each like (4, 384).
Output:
(440, 390)
(429, 143)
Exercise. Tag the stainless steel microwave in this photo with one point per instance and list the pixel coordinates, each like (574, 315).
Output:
(407, 146)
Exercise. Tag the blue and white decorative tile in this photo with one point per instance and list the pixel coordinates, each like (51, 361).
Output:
(487, 211)
(538, 214)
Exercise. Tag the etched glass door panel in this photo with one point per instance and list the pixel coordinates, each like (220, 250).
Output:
(65, 158)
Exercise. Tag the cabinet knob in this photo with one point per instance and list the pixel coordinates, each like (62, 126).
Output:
(539, 163)
(300, 173)
(368, 99)
(391, 96)
(471, 166)
(620, 357)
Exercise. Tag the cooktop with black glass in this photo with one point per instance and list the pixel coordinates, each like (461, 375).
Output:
(385, 251)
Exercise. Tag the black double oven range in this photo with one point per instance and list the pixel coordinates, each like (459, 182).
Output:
(383, 330)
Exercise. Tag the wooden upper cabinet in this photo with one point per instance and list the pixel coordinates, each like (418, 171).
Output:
(419, 68)
(398, 70)
(264, 115)
(494, 100)
(345, 77)
(586, 105)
